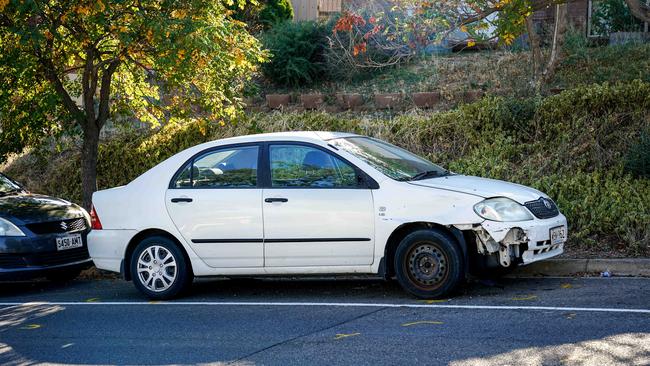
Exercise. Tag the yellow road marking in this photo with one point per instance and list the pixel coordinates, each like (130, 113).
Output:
(154, 302)
(92, 299)
(31, 326)
(343, 335)
(422, 322)
(434, 301)
(524, 298)
(566, 285)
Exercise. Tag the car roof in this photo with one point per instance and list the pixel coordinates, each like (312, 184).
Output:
(290, 135)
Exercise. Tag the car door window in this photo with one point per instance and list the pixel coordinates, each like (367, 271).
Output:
(225, 168)
(309, 167)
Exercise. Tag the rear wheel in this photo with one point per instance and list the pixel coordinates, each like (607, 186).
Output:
(428, 264)
(159, 269)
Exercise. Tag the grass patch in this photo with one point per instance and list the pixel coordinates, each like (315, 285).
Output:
(498, 72)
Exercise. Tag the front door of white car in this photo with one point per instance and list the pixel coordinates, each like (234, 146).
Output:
(317, 211)
(216, 203)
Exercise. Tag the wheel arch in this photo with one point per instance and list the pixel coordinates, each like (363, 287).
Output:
(386, 267)
(139, 237)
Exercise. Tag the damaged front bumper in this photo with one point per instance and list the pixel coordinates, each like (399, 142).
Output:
(520, 242)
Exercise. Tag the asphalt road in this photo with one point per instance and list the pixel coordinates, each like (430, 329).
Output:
(563, 321)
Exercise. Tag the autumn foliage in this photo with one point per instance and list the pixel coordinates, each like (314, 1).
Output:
(70, 66)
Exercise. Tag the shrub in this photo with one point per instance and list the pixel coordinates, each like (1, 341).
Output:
(262, 15)
(340, 66)
(296, 53)
(584, 66)
(637, 161)
(575, 146)
(614, 16)
(274, 12)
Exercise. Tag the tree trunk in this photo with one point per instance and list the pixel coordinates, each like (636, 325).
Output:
(535, 48)
(89, 152)
(558, 41)
(91, 129)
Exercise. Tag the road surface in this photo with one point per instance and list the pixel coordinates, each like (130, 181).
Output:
(537, 321)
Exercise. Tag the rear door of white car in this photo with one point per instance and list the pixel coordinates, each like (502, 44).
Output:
(215, 201)
(318, 209)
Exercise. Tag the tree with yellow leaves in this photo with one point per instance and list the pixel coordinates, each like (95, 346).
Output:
(68, 66)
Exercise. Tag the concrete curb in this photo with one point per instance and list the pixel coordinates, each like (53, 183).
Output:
(570, 267)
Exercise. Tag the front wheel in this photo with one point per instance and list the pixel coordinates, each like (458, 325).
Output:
(428, 264)
(159, 269)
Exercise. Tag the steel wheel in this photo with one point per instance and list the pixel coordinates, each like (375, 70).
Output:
(427, 266)
(157, 268)
(428, 263)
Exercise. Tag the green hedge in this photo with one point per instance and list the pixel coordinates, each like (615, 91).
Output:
(296, 53)
(573, 146)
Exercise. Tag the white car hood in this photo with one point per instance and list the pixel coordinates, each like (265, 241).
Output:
(483, 187)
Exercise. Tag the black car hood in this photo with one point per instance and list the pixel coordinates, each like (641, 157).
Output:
(30, 208)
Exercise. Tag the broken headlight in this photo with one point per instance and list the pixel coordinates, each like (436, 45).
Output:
(502, 209)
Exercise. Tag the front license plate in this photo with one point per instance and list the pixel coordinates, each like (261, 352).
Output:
(69, 242)
(558, 235)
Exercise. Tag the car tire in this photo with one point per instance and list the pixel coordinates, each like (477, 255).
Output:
(159, 269)
(63, 275)
(428, 264)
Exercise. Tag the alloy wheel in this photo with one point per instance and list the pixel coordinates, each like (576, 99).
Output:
(157, 268)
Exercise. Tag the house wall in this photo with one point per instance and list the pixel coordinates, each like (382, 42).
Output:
(314, 9)
(577, 11)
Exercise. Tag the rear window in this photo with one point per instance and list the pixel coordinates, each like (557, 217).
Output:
(224, 168)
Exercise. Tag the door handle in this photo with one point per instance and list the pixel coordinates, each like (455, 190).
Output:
(271, 200)
(181, 199)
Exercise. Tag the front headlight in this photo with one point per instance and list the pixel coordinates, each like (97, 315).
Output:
(9, 229)
(502, 209)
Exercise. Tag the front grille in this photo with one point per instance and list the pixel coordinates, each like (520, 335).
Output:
(58, 227)
(10, 261)
(13, 261)
(540, 209)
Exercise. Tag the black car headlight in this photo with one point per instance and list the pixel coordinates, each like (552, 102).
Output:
(7, 228)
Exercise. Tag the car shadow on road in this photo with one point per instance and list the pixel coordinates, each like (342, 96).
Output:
(504, 291)
(319, 288)
(16, 288)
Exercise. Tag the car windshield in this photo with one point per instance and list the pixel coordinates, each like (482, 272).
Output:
(391, 160)
(8, 186)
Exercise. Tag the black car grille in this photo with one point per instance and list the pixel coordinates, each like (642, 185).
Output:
(540, 209)
(13, 261)
(58, 227)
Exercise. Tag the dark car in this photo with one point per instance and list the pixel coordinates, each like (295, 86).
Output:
(40, 236)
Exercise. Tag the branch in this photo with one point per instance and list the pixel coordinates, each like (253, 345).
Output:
(72, 69)
(105, 93)
(535, 5)
(50, 73)
(639, 10)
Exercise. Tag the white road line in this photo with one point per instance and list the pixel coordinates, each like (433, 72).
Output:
(326, 304)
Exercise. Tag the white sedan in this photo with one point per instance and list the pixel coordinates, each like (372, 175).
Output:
(306, 203)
